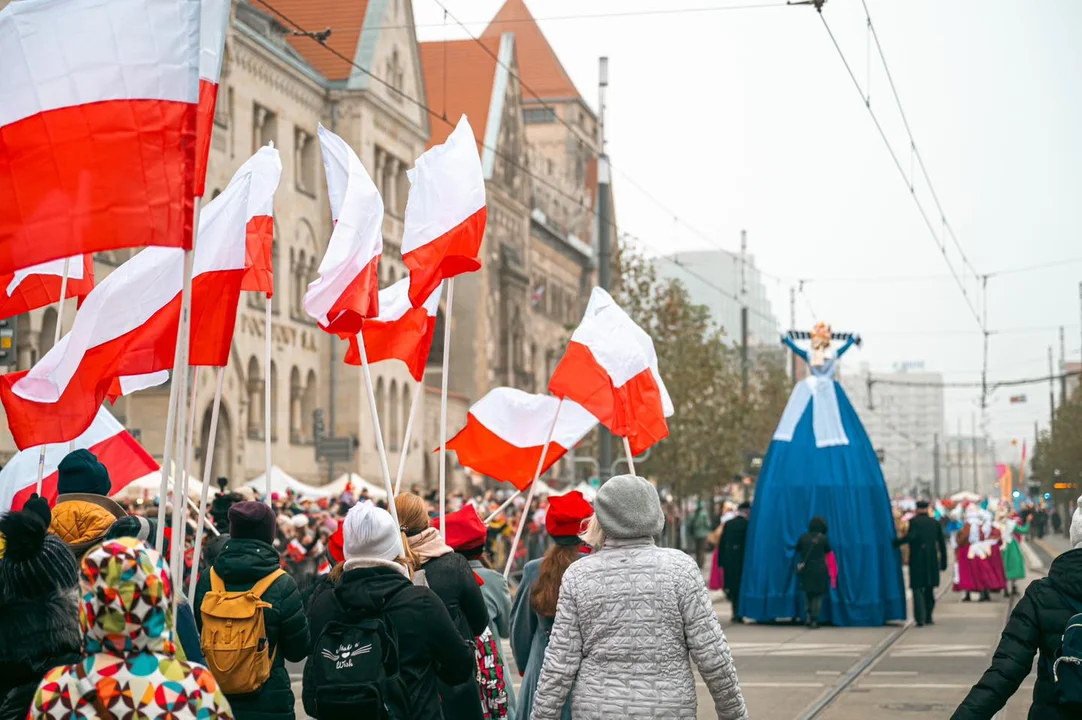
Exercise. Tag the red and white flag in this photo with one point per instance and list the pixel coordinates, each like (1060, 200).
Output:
(213, 24)
(506, 431)
(347, 289)
(38, 286)
(400, 332)
(128, 326)
(115, 447)
(445, 213)
(97, 126)
(610, 367)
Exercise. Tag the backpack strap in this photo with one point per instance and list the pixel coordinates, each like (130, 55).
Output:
(263, 585)
(216, 583)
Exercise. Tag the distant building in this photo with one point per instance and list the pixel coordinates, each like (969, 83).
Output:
(1074, 368)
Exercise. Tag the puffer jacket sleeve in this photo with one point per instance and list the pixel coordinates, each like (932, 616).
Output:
(1011, 663)
(708, 647)
(294, 639)
(563, 656)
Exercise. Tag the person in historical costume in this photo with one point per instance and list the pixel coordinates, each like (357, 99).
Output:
(1012, 531)
(821, 463)
(979, 562)
(928, 558)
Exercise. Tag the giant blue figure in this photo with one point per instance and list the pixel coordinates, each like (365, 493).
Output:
(821, 463)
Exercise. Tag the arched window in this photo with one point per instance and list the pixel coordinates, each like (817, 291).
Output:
(435, 357)
(48, 331)
(300, 281)
(381, 409)
(308, 406)
(274, 401)
(392, 418)
(295, 405)
(406, 406)
(255, 399)
(277, 265)
(313, 273)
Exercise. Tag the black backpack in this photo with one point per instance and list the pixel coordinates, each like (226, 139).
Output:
(1067, 665)
(354, 668)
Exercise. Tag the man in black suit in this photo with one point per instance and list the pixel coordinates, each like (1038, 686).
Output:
(734, 536)
(927, 559)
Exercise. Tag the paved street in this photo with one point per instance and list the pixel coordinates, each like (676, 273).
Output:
(786, 670)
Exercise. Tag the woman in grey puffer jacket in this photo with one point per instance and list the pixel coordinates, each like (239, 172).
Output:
(630, 619)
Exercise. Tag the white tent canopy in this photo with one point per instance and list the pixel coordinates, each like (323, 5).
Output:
(150, 484)
(966, 496)
(376, 492)
(281, 482)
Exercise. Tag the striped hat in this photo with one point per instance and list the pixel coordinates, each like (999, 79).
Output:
(36, 563)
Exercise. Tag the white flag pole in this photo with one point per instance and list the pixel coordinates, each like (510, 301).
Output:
(163, 487)
(180, 466)
(379, 433)
(267, 394)
(443, 406)
(533, 488)
(56, 339)
(208, 455)
(409, 433)
(503, 507)
(630, 457)
(180, 371)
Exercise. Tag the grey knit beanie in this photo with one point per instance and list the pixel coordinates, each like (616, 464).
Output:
(35, 563)
(1076, 525)
(627, 506)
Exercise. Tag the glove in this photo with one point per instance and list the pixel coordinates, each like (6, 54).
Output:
(40, 507)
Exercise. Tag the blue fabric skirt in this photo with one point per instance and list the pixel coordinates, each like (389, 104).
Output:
(844, 486)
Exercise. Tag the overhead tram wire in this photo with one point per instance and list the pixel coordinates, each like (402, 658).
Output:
(992, 384)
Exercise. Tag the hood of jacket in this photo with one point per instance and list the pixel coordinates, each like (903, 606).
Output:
(244, 560)
(1066, 573)
(126, 606)
(40, 627)
(368, 589)
(79, 523)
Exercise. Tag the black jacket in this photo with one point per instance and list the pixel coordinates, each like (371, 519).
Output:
(1036, 625)
(429, 645)
(927, 551)
(241, 564)
(734, 536)
(811, 550)
(36, 635)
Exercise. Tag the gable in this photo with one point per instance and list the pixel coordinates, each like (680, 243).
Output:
(345, 19)
(542, 71)
(388, 47)
(459, 77)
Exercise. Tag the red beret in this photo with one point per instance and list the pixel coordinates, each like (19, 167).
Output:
(465, 531)
(567, 513)
(334, 544)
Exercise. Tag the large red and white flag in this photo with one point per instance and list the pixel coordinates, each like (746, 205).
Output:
(400, 332)
(445, 213)
(97, 126)
(38, 286)
(128, 326)
(347, 289)
(506, 431)
(115, 447)
(610, 367)
(213, 24)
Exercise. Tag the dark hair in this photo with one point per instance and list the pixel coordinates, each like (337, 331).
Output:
(546, 591)
(818, 525)
(744, 506)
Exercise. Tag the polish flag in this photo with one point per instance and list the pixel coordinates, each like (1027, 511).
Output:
(115, 447)
(610, 367)
(400, 332)
(128, 384)
(128, 326)
(97, 126)
(213, 24)
(265, 169)
(39, 286)
(506, 431)
(445, 213)
(347, 289)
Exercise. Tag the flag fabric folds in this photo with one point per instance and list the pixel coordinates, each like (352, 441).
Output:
(400, 331)
(265, 169)
(128, 326)
(213, 23)
(114, 446)
(445, 213)
(347, 289)
(97, 126)
(506, 430)
(610, 367)
(39, 286)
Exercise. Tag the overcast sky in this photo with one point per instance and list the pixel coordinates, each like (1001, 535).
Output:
(747, 118)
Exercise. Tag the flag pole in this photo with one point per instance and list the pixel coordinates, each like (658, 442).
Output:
(180, 494)
(163, 487)
(56, 339)
(630, 457)
(379, 433)
(180, 370)
(208, 455)
(443, 407)
(533, 489)
(181, 481)
(267, 394)
(409, 433)
(503, 507)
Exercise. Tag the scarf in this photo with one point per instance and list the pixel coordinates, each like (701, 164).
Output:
(429, 544)
(354, 563)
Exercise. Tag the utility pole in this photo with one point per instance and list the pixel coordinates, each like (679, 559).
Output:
(961, 457)
(935, 467)
(792, 326)
(1062, 366)
(605, 240)
(744, 312)
(1051, 395)
(976, 471)
(947, 464)
(984, 332)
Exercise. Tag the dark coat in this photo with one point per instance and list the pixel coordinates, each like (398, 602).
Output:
(429, 644)
(927, 551)
(241, 564)
(451, 578)
(1035, 626)
(36, 635)
(811, 550)
(734, 536)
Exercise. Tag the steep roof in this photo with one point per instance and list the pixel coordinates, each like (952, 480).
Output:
(345, 19)
(539, 67)
(459, 77)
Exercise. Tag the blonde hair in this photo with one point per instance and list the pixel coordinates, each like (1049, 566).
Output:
(412, 519)
(593, 535)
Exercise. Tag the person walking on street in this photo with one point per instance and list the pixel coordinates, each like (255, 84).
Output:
(811, 552)
(1036, 627)
(630, 619)
(249, 562)
(734, 535)
(927, 559)
(700, 531)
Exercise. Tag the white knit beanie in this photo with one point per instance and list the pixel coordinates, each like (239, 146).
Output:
(370, 532)
(1076, 525)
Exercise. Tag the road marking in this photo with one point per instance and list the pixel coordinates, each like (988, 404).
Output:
(914, 686)
(797, 649)
(781, 685)
(829, 673)
(893, 672)
(916, 651)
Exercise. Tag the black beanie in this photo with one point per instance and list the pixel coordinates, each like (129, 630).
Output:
(252, 520)
(35, 563)
(81, 472)
(140, 528)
